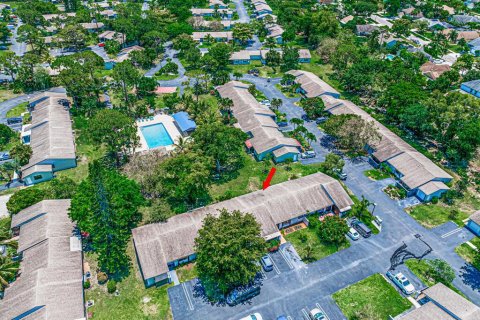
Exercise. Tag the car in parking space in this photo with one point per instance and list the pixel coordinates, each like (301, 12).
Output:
(316, 314)
(282, 317)
(308, 154)
(361, 228)
(320, 120)
(14, 120)
(255, 316)
(266, 102)
(267, 264)
(342, 176)
(402, 282)
(282, 124)
(353, 234)
(242, 294)
(4, 155)
(305, 117)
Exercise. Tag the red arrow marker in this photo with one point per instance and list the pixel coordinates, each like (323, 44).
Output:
(267, 181)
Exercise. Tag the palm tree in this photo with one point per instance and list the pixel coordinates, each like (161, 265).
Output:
(296, 122)
(453, 36)
(276, 103)
(308, 252)
(182, 144)
(360, 209)
(310, 138)
(8, 271)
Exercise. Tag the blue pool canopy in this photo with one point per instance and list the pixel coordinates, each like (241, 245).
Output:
(184, 122)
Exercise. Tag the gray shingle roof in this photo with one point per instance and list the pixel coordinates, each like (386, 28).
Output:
(312, 84)
(159, 243)
(51, 131)
(453, 302)
(51, 281)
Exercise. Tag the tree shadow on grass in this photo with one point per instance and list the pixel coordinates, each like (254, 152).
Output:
(470, 276)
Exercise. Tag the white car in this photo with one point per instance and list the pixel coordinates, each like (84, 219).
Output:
(316, 314)
(353, 234)
(255, 316)
(402, 282)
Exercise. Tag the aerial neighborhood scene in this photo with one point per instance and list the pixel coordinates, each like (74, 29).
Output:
(240, 160)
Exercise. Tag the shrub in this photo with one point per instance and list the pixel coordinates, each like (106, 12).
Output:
(434, 200)
(24, 198)
(453, 215)
(86, 285)
(102, 277)
(111, 286)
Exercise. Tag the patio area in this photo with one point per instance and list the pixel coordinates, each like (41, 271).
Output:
(171, 131)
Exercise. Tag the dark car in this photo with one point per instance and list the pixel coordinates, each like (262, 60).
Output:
(4, 155)
(305, 117)
(320, 120)
(282, 124)
(240, 295)
(175, 55)
(266, 263)
(14, 120)
(361, 228)
(3, 48)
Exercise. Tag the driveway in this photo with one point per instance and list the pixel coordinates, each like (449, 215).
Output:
(18, 47)
(243, 16)
(302, 288)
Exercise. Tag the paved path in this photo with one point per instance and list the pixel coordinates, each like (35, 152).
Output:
(292, 291)
(243, 16)
(18, 47)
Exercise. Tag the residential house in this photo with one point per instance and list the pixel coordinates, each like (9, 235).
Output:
(258, 122)
(311, 86)
(365, 29)
(463, 19)
(124, 54)
(417, 174)
(433, 71)
(411, 12)
(50, 136)
(111, 35)
(450, 10)
(59, 16)
(199, 23)
(92, 26)
(275, 31)
(262, 7)
(264, 15)
(347, 19)
(304, 56)
(472, 87)
(218, 36)
(442, 303)
(109, 14)
(242, 57)
(466, 35)
(223, 13)
(51, 283)
(161, 247)
(212, 4)
(474, 47)
(474, 223)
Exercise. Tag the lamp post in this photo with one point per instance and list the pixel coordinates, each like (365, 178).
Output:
(374, 206)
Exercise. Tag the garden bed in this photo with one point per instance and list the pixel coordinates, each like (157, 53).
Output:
(395, 192)
(376, 174)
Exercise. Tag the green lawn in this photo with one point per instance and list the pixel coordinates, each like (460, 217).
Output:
(251, 176)
(7, 94)
(18, 110)
(301, 238)
(468, 253)
(166, 77)
(432, 215)
(376, 174)
(372, 298)
(423, 271)
(134, 301)
(186, 272)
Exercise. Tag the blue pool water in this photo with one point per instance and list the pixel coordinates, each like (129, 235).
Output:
(156, 135)
(390, 57)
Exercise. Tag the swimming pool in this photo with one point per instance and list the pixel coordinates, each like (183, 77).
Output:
(390, 57)
(156, 135)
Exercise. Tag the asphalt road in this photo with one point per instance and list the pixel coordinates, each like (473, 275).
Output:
(291, 292)
(243, 16)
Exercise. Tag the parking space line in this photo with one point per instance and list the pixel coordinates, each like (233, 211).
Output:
(305, 313)
(264, 274)
(450, 233)
(274, 265)
(289, 263)
(289, 318)
(189, 301)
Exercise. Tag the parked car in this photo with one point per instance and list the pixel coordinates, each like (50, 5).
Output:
(282, 124)
(282, 317)
(175, 55)
(14, 120)
(402, 282)
(101, 44)
(361, 228)
(3, 48)
(305, 117)
(267, 264)
(242, 294)
(265, 102)
(316, 314)
(342, 176)
(308, 154)
(320, 120)
(4, 155)
(353, 234)
(255, 316)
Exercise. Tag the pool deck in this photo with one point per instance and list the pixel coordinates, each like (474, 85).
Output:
(169, 126)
